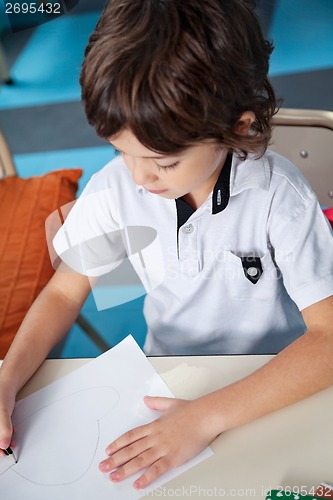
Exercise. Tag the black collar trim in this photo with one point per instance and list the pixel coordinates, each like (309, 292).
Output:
(221, 192)
(220, 198)
(184, 212)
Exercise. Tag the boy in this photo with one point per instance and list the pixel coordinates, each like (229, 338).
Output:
(180, 89)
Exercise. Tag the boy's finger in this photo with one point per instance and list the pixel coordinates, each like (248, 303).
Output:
(159, 403)
(153, 472)
(129, 437)
(135, 465)
(5, 443)
(123, 456)
(11, 445)
(6, 430)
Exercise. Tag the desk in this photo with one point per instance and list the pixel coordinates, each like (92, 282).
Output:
(291, 447)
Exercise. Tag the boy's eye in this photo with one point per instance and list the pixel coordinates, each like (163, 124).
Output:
(166, 167)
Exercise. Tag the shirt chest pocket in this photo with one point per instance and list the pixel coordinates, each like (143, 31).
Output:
(251, 277)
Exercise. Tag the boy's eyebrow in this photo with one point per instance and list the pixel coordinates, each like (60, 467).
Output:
(156, 157)
(146, 157)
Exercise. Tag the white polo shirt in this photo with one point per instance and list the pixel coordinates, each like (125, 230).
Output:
(229, 277)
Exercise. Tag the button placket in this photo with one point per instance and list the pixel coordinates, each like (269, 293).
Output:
(188, 229)
(188, 250)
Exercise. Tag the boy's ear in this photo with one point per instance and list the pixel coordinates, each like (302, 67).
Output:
(244, 123)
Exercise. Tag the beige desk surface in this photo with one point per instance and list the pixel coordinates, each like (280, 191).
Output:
(291, 447)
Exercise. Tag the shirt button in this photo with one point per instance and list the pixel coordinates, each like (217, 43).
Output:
(188, 229)
(253, 272)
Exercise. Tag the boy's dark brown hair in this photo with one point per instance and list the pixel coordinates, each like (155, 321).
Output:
(176, 72)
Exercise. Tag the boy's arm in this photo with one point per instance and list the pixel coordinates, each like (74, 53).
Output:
(186, 427)
(48, 320)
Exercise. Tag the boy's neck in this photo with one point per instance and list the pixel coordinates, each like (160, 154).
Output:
(193, 201)
(197, 197)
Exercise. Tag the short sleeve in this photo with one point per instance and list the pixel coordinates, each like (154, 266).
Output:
(304, 254)
(90, 240)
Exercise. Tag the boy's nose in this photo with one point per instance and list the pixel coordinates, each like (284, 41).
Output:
(142, 172)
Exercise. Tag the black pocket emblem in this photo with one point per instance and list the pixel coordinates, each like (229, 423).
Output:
(252, 268)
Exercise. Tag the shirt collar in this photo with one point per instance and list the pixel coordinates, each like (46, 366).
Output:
(251, 173)
(237, 175)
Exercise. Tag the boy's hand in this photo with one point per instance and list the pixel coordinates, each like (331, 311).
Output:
(178, 435)
(6, 428)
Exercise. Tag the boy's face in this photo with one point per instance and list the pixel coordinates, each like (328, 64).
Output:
(192, 173)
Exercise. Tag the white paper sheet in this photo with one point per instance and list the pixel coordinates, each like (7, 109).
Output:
(63, 429)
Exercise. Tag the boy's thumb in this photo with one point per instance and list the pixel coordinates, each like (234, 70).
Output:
(6, 430)
(158, 403)
(4, 442)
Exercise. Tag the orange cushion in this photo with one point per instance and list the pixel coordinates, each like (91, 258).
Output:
(25, 266)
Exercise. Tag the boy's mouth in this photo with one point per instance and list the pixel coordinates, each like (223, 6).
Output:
(155, 191)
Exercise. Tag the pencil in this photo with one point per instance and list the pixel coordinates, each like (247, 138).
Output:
(10, 453)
